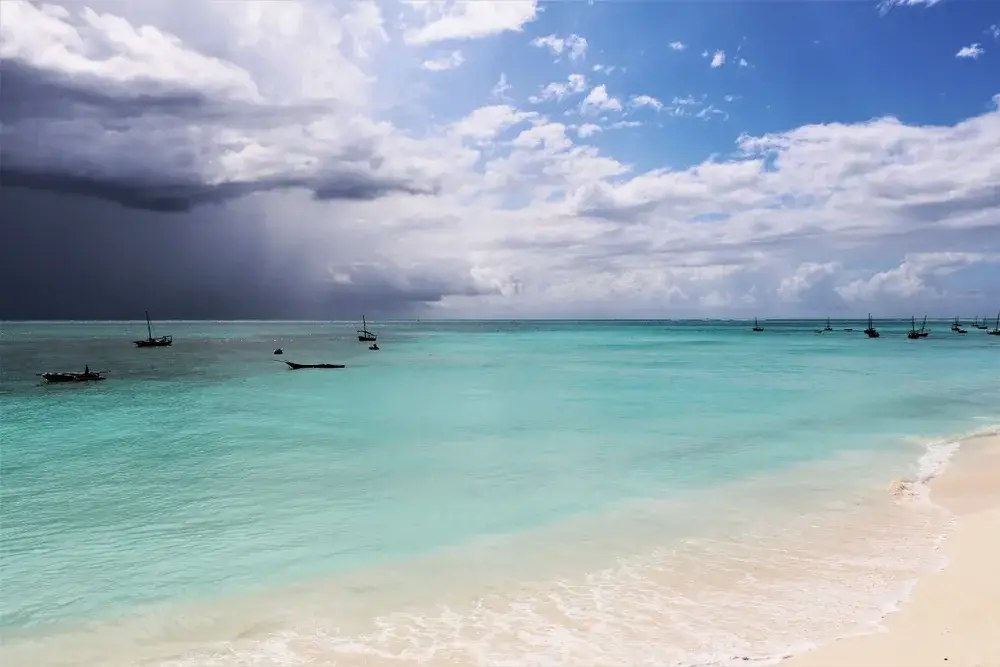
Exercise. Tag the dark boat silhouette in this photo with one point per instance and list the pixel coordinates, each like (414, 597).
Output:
(980, 324)
(828, 327)
(756, 327)
(364, 335)
(162, 341)
(957, 328)
(996, 327)
(914, 333)
(294, 366)
(871, 331)
(86, 376)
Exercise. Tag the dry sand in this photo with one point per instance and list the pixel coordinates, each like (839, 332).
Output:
(953, 617)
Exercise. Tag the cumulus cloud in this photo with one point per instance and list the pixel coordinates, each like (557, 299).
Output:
(574, 46)
(599, 100)
(646, 101)
(719, 59)
(677, 46)
(972, 51)
(806, 276)
(914, 277)
(470, 20)
(557, 90)
(485, 208)
(445, 62)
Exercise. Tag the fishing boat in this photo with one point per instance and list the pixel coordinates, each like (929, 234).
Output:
(914, 333)
(996, 327)
(162, 341)
(871, 331)
(86, 376)
(980, 324)
(364, 335)
(957, 328)
(756, 327)
(294, 366)
(828, 327)
(924, 331)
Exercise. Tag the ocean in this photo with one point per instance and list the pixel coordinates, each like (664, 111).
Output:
(478, 493)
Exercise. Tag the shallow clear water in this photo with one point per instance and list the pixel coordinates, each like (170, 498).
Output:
(208, 472)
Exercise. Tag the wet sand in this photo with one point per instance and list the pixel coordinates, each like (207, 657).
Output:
(953, 616)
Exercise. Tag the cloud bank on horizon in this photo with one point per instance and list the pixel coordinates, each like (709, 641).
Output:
(512, 158)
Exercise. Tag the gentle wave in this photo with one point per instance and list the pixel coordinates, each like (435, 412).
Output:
(749, 590)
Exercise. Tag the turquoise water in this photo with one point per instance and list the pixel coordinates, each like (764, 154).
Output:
(208, 471)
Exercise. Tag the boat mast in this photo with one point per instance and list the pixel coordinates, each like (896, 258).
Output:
(149, 328)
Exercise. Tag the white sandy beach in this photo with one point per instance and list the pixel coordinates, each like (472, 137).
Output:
(953, 616)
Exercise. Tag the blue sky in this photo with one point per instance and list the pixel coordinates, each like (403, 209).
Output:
(836, 159)
(809, 62)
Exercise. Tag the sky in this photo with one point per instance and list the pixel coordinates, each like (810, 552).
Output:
(313, 159)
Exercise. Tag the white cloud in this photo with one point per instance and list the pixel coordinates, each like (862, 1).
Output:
(574, 45)
(486, 122)
(598, 99)
(806, 276)
(719, 59)
(972, 51)
(914, 276)
(743, 62)
(994, 31)
(677, 46)
(646, 101)
(499, 91)
(498, 209)
(886, 5)
(470, 20)
(606, 69)
(621, 124)
(557, 90)
(445, 62)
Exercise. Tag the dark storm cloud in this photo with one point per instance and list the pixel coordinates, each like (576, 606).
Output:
(177, 197)
(38, 152)
(66, 257)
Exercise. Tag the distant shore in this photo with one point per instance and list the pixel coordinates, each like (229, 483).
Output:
(953, 615)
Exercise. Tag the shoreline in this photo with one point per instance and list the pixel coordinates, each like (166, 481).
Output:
(952, 615)
(958, 480)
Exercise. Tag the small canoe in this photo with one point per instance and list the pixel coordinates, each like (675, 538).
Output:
(294, 366)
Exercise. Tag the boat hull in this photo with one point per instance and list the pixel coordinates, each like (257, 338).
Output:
(294, 366)
(163, 341)
(56, 378)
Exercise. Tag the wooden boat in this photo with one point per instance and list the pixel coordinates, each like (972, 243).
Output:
(294, 366)
(364, 335)
(871, 331)
(162, 341)
(86, 376)
(828, 327)
(756, 327)
(996, 327)
(914, 333)
(980, 324)
(957, 328)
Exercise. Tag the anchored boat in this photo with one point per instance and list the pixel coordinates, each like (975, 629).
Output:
(162, 341)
